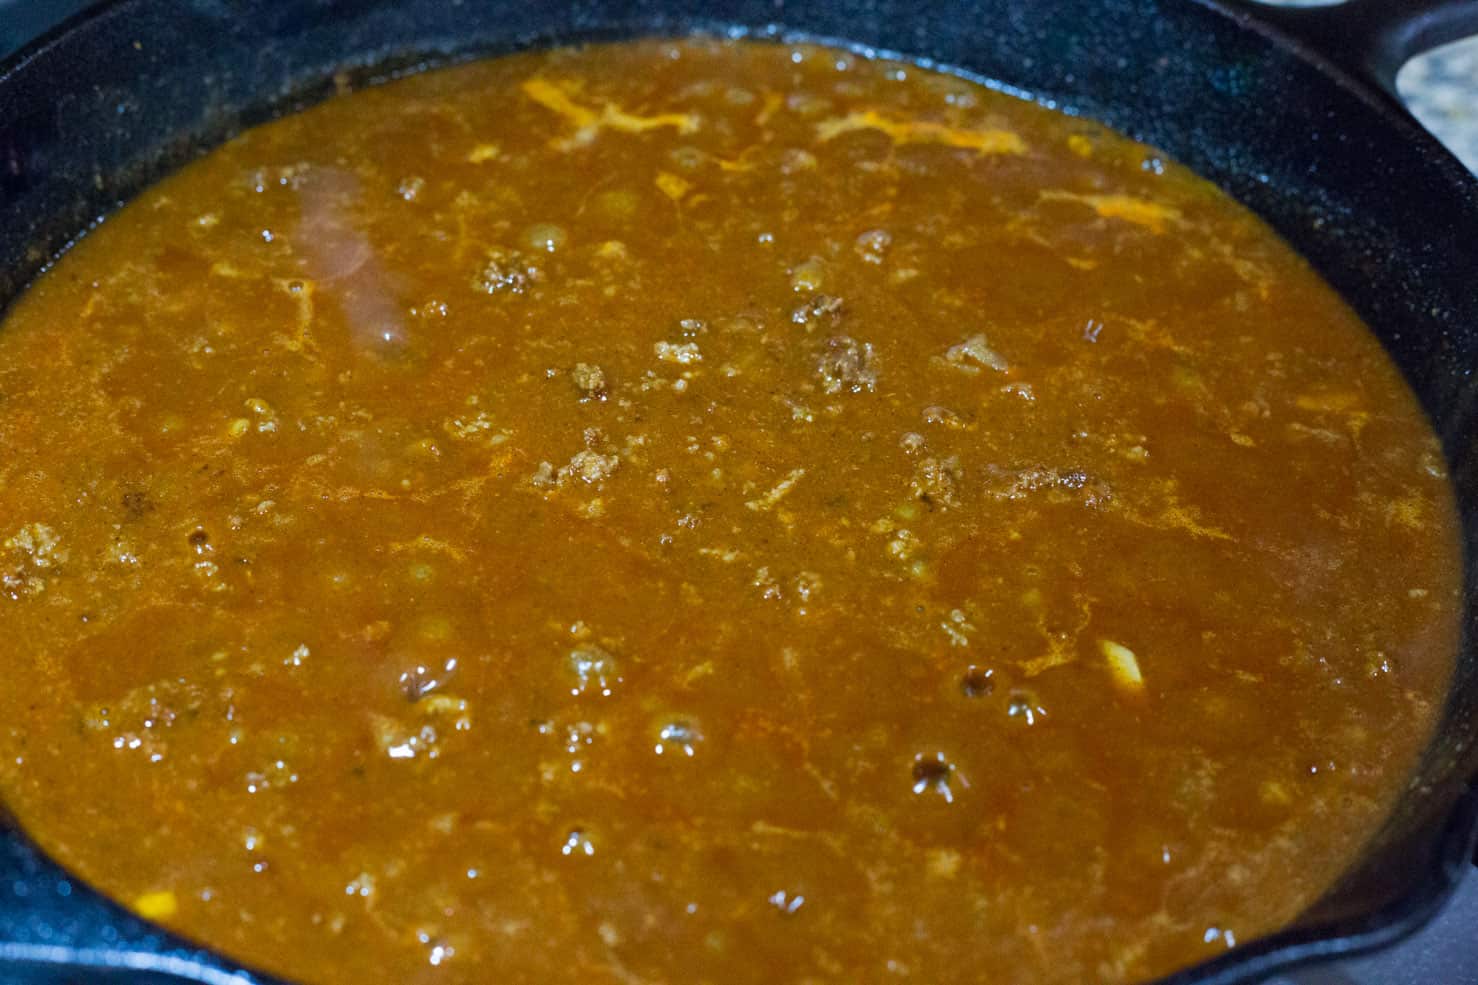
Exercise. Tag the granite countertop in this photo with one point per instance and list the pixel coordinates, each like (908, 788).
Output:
(1441, 88)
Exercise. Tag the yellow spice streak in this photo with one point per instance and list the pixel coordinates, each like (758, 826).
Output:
(483, 153)
(301, 291)
(553, 98)
(1409, 512)
(1335, 401)
(1140, 211)
(429, 544)
(923, 132)
(1177, 517)
(672, 186)
(771, 101)
(740, 163)
(1122, 664)
(1058, 654)
(588, 123)
(1062, 648)
(160, 905)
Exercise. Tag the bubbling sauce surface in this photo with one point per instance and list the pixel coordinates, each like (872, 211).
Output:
(696, 511)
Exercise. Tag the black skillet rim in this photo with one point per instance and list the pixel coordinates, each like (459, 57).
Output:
(1344, 936)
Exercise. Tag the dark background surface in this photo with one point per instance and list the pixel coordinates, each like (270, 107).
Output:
(1445, 953)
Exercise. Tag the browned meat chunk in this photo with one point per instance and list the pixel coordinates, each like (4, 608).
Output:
(846, 364)
(590, 380)
(823, 308)
(936, 482)
(506, 272)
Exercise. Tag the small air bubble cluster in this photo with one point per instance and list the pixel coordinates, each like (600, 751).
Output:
(786, 903)
(577, 843)
(933, 774)
(1023, 707)
(678, 737)
(544, 237)
(438, 951)
(422, 679)
(1224, 935)
(872, 246)
(578, 737)
(594, 669)
(978, 682)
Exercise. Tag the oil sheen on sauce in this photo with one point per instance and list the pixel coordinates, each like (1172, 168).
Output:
(698, 512)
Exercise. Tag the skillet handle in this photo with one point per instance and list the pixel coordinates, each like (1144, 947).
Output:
(1370, 39)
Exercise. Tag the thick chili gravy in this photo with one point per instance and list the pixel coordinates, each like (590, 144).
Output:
(707, 512)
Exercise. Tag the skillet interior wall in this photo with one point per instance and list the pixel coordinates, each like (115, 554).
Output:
(1390, 221)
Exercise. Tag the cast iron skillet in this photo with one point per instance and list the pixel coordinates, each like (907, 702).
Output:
(1291, 111)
